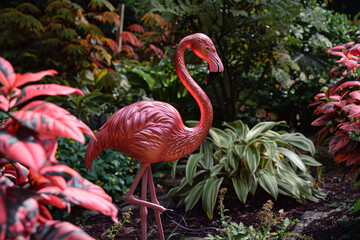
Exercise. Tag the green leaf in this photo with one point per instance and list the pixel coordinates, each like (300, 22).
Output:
(211, 190)
(308, 160)
(300, 141)
(241, 188)
(194, 195)
(286, 188)
(252, 158)
(191, 166)
(259, 128)
(151, 82)
(216, 170)
(219, 137)
(239, 127)
(271, 149)
(293, 157)
(206, 161)
(268, 182)
(232, 160)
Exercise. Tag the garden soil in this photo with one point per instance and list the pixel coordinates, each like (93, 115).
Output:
(341, 195)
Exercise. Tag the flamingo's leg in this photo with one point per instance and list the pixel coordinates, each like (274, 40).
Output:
(130, 195)
(155, 201)
(143, 209)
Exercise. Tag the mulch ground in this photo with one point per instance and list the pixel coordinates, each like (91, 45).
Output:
(340, 193)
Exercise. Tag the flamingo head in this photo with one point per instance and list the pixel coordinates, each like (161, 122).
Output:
(204, 48)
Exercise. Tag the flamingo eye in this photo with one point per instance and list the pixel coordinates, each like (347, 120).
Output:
(207, 48)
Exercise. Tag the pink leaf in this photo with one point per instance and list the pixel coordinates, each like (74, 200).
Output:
(21, 79)
(60, 230)
(338, 142)
(7, 74)
(45, 89)
(340, 47)
(24, 150)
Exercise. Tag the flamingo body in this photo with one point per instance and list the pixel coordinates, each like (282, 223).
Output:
(149, 131)
(152, 131)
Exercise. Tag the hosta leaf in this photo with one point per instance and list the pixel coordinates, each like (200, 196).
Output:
(216, 170)
(232, 160)
(239, 127)
(339, 141)
(308, 160)
(300, 141)
(288, 189)
(241, 188)
(291, 178)
(45, 89)
(270, 147)
(210, 193)
(24, 150)
(207, 161)
(268, 182)
(194, 196)
(191, 166)
(220, 137)
(259, 128)
(54, 229)
(252, 158)
(293, 157)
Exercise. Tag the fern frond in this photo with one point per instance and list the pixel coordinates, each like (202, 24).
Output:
(75, 50)
(129, 37)
(10, 38)
(28, 8)
(91, 29)
(111, 17)
(68, 33)
(152, 18)
(112, 44)
(10, 16)
(52, 43)
(29, 22)
(54, 6)
(98, 4)
(54, 27)
(66, 14)
(135, 28)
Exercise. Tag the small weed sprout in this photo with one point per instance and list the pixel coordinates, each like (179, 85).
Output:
(113, 232)
(268, 221)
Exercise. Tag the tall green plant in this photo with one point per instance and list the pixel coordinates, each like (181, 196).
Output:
(244, 158)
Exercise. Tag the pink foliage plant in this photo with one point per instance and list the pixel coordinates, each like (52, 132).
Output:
(30, 176)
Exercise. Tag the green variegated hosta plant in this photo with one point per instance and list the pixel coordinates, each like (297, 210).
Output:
(245, 158)
(31, 178)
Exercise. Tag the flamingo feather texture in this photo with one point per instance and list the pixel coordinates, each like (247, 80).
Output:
(153, 131)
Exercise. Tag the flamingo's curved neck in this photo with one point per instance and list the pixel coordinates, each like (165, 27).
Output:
(195, 90)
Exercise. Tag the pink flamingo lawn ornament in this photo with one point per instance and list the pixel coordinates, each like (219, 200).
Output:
(152, 131)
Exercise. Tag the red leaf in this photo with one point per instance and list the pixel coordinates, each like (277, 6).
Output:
(45, 89)
(347, 84)
(129, 37)
(7, 74)
(135, 28)
(321, 135)
(353, 158)
(60, 230)
(92, 201)
(21, 79)
(24, 150)
(350, 127)
(340, 157)
(355, 94)
(50, 145)
(51, 120)
(338, 141)
(322, 120)
(352, 109)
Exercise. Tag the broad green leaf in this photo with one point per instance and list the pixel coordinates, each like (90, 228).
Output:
(286, 188)
(151, 82)
(239, 127)
(216, 170)
(239, 150)
(300, 141)
(268, 182)
(194, 195)
(271, 148)
(211, 190)
(206, 161)
(252, 158)
(241, 188)
(232, 160)
(259, 128)
(184, 188)
(220, 138)
(253, 184)
(293, 157)
(173, 169)
(303, 186)
(191, 166)
(308, 160)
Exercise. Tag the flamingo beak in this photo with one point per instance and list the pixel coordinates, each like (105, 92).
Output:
(216, 67)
